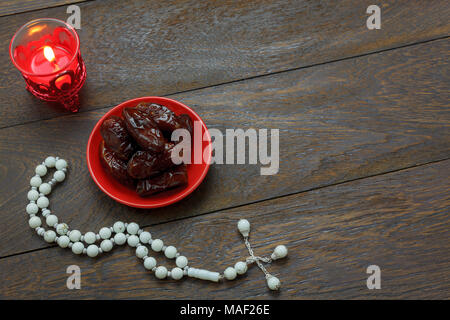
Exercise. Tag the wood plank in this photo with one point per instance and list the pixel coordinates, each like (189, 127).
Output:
(140, 48)
(398, 221)
(337, 122)
(8, 7)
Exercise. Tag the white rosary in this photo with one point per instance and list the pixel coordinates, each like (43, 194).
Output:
(129, 233)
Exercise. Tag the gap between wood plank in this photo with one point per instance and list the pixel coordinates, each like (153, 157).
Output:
(258, 201)
(45, 8)
(250, 78)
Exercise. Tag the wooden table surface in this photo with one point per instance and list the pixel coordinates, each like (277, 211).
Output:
(364, 120)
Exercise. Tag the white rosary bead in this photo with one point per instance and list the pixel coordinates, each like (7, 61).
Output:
(133, 240)
(45, 188)
(161, 272)
(49, 236)
(32, 208)
(92, 251)
(120, 238)
(62, 229)
(181, 262)
(42, 202)
(240, 267)
(119, 227)
(157, 245)
(59, 176)
(133, 228)
(60, 164)
(170, 252)
(176, 273)
(141, 251)
(230, 273)
(203, 274)
(41, 170)
(244, 227)
(105, 233)
(33, 195)
(280, 252)
(106, 245)
(35, 181)
(40, 231)
(75, 235)
(89, 237)
(34, 222)
(145, 236)
(273, 283)
(63, 241)
(45, 212)
(51, 220)
(149, 263)
(50, 162)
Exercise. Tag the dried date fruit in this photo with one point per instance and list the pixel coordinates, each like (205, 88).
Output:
(146, 164)
(115, 165)
(165, 158)
(186, 122)
(116, 137)
(172, 178)
(144, 130)
(143, 164)
(165, 119)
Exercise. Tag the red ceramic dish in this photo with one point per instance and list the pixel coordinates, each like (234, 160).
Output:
(122, 194)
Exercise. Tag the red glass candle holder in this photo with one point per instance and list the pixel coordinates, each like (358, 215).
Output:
(47, 53)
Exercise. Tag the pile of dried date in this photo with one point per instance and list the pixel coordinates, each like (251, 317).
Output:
(136, 148)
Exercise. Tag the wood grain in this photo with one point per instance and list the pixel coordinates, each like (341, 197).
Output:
(338, 122)
(398, 221)
(8, 7)
(140, 48)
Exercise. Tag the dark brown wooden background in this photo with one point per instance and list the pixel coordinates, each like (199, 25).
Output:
(364, 123)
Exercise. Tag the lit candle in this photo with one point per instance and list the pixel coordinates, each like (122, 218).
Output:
(47, 53)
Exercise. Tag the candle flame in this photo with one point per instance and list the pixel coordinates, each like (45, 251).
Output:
(49, 54)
